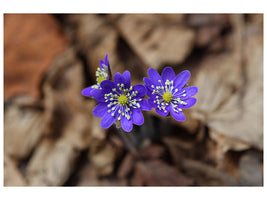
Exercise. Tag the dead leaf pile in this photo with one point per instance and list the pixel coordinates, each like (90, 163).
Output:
(51, 137)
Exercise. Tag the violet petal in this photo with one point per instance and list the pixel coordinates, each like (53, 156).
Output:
(126, 124)
(100, 110)
(140, 89)
(127, 77)
(167, 74)
(154, 75)
(181, 79)
(189, 91)
(189, 103)
(138, 117)
(177, 116)
(107, 85)
(87, 91)
(118, 78)
(145, 105)
(98, 94)
(108, 120)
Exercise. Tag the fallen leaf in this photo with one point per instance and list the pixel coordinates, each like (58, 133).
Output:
(158, 173)
(103, 158)
(12, 175)
(23, 129)
(153, 151)
(149, 39)
(31, 42)
(251, 169)
(198, 20)
(224, 144)
(87, 177)
(126, 166)
(228, 87)
(57, 160)
(207, 175)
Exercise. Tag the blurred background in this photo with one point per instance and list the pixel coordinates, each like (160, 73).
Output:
(51, 137)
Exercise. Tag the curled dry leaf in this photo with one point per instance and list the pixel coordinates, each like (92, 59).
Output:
(149, 39)
(62, 92)
(232, 100)
(224, 144)
(96, 38)
(67, 130)
(23, 129)
(52, 164)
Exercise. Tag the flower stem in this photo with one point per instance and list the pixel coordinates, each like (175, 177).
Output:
(125, 137)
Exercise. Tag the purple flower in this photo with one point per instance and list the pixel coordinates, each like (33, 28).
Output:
(101, 75)
(168, 94)
(119, 100)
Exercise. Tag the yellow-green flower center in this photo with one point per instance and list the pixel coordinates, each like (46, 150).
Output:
(122, 99)
(100, 79)
(167, 97)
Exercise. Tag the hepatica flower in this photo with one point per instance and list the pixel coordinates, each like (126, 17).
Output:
(102, 73)
(168, 94)
(119, 100)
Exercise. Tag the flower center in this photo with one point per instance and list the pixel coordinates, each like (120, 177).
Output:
(100, 79)
(122, 99)
(167, 97)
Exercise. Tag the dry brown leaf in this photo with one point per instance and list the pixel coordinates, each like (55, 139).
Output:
(198, 20)
(126, 166)
(97, 133)
(51, 157)
(77, 131)
(103, 158)
(96, 38)
(153, 151)
(23, 129)
(38, 158)
(170, 18)
(57, 163)
(31, 42)
(62, 92)
(207, 175)
(177, 148)
(230, 100)
(154, 43)
(251, 169)
(87, 177)
(12, 175)
(224, 144)
(68, 126)
(158, 173)
(206, 35)
(255, 19)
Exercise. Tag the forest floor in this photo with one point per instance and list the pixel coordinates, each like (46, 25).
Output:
(51, 137)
